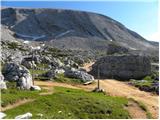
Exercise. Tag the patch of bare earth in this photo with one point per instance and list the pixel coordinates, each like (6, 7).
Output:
(118, 88)
(53, 84)
(135, 111)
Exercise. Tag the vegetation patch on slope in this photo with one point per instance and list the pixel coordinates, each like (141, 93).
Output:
(72, 103)
(149, 83)
(62, 78)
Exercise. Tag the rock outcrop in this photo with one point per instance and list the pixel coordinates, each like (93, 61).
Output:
(17, 73)
(56, 63)
(28, 64)
(122, 67)
(84, 76)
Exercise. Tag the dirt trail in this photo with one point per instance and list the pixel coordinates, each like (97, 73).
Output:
(135, 111)
(118, 88)
(52, 84)
(87, 66)
(16, 104)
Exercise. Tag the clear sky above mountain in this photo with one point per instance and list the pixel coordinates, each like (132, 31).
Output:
(140, 16)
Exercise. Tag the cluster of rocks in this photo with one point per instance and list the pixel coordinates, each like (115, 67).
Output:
(123, 67)
(18, 74)
(13, 72)
(17, 63)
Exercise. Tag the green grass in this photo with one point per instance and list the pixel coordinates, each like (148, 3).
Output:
(148, 78)
(39, 72)
(1, 66)
(55, 52)
(62, 78)
(15, 45)
(72, 103)
(42, 65)
(10, 96)
(147, 83)
(138, 83)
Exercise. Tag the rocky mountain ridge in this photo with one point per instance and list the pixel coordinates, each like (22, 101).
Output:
(68, 29)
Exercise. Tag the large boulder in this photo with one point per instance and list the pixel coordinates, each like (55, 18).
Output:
(74, 73)
(122, 67)
(19, 74)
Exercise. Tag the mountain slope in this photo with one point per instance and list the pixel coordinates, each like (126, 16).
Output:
(73, 29)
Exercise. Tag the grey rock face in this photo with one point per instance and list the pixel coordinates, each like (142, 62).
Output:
(28, 64)
(84, 76)
(46, 60)
(2, 82)
(70, 63)
(36, 59)
(24, 116)
(155, 67)
(9, 55)
(50, 74)
(56, 63)
(122, 67)
(19, 74)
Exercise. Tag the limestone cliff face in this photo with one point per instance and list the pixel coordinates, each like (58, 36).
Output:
(72, 30)
(122, 67)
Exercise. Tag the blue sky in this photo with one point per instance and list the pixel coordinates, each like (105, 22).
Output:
(140, 16)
